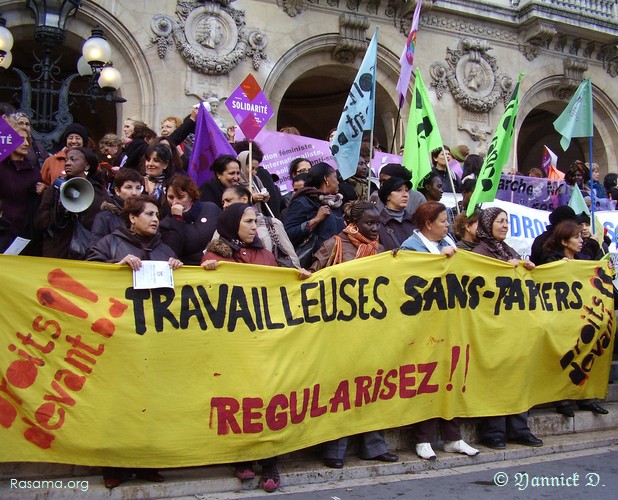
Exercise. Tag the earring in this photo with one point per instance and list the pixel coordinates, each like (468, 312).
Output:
(327, 184)
(352, 229)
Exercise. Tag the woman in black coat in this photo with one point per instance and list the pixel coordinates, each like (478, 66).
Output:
(139, 240)
(227, 173)
(315, 212)
(395, 222)
(192, 222)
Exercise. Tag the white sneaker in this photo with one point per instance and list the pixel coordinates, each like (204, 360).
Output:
(425, 451)
(460, 447)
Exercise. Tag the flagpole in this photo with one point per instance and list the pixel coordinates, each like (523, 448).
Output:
(373, 122)
(450, 178)
(395, 130)
(250, 166)
(592, 200)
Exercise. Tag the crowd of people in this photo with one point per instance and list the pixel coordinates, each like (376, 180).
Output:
(144, 207)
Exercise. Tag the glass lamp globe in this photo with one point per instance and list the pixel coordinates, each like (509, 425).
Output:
(83, 68)
(5, 62)
(110, 78)
(96, 50)
(6, 39)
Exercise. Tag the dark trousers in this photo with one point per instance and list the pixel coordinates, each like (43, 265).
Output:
(425, 432)
(372, 444)
(506, 426)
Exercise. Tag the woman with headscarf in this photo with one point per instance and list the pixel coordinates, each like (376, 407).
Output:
(492, 229)
(357, 240)
(270, 230)
(432, 237)
(55, 220)
(238, 242)
(315, 212)
(577, 175)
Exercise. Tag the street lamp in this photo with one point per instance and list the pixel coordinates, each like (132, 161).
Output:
(41, 94)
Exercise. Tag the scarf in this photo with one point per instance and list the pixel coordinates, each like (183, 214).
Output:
(228, 224)
(484, 232)
(365, 247)
(332, 200)
(158, 181)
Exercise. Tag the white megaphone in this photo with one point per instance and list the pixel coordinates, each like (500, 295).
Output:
(76, 194)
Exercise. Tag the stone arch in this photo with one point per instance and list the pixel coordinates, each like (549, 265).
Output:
(137, 85)
(540, 107)
(311, 61)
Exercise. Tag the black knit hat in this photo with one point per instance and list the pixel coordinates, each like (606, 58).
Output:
(563, 212)
(75, 128)
(396, 170)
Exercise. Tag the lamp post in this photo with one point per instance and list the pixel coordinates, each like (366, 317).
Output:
(41, 94)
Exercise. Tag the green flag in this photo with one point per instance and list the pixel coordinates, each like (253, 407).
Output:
(422, 135)
(577, 202)
(576, 119)
(497, 155)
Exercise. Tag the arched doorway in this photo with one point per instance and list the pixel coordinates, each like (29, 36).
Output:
(539, 109)
(312, 99)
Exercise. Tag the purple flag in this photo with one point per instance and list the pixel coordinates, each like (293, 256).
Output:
(407, 57)
(210, 142)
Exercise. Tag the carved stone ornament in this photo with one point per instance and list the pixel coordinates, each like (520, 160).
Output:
(472, 77)
(210, 36)
(351, 41)
(292, 7)
(608, 54)
(538, 35)
(573, 75)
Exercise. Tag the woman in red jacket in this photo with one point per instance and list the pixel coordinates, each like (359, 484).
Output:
(238, 242)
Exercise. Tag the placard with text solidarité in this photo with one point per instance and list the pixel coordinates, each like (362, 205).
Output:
(249, 107)
(10, 140)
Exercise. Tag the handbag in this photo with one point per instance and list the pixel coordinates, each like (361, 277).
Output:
(78, 249)
(306, 249)
(282, 258)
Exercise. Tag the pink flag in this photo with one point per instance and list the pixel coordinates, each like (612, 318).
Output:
(210, 142)
(407, 57)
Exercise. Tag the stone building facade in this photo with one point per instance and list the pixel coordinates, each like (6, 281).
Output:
(305, 53)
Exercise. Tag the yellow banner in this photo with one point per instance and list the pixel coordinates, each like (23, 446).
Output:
(247, 362)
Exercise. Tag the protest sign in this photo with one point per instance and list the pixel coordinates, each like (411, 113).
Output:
(247, 362)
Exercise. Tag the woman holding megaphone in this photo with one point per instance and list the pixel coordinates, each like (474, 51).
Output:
(70, 205)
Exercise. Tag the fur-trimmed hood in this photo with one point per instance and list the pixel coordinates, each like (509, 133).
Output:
(221, 248)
